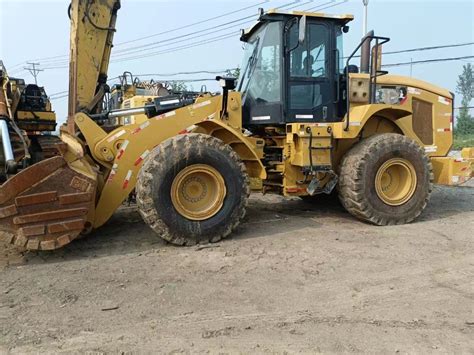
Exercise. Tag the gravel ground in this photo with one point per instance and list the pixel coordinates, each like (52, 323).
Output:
(296, 277)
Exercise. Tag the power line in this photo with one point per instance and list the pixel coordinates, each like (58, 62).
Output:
(205, 41)
(223, 26)
(231, 34)
(61, 64)
(228, 35)
(193, 24)
(168, 50)
(428, 61)
(175, 49)
(456, 45)
(129, 51)
(57, 58)
(58, 97)
(188, 36)
(327, 7)
(421, 49)
(431, 48)
(315, 7)
(14, 73)
(168, 31)
(58, 93)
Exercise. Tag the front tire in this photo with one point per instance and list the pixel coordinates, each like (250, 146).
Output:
(385, 179)
(193, 189)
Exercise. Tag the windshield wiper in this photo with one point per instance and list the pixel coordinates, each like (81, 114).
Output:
(249, 66)
(253, 57)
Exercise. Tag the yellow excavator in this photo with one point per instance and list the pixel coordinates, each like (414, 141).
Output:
(27, 122)
(131, 92)
(301, 121)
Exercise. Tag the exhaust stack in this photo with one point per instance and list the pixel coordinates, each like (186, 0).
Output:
(365, 53)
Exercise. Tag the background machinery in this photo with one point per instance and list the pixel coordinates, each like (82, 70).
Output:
(131, 92)
(27, 121)
(302, 121)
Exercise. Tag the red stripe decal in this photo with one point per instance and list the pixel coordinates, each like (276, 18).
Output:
(125, 184)
(120, 154)
(127, 179)
(111, 175)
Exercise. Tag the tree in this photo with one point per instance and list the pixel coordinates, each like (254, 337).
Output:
(233, 73)
(178, 86)
(465, 87)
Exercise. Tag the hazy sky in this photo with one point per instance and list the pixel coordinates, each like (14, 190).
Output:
(34, 30)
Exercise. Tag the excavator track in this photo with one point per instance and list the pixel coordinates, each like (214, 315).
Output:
(50, 145)
(41, 147)
(45, 206)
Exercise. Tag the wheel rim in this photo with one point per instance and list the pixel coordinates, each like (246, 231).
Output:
(395, 182)
(198, 192)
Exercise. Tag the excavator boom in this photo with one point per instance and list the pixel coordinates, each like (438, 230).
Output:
(92, 32)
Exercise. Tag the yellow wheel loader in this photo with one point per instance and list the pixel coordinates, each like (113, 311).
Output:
(301, 121)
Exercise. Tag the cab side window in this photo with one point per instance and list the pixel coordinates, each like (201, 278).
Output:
(309, 85)
(309, 59)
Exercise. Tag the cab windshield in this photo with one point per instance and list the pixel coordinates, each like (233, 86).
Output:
(261, 75)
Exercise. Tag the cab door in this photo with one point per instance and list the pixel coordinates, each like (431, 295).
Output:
(310, 74)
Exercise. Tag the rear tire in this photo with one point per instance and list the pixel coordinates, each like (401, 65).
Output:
(386, 179)
(193, 189)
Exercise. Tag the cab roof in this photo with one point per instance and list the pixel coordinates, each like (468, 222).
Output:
(343, 19)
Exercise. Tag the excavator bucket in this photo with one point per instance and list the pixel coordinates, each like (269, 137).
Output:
(46, 206)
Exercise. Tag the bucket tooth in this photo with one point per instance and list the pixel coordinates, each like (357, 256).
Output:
(45, 206)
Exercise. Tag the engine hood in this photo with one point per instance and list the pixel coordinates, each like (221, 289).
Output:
(415, 83)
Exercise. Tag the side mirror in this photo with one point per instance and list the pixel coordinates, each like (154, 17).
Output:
(376, 58)
(302, 30)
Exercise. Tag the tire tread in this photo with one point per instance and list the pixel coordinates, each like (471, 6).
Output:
(173, 149)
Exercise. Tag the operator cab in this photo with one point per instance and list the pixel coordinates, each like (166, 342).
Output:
(293, 69)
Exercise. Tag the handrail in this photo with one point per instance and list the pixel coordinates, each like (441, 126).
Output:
(369, 37)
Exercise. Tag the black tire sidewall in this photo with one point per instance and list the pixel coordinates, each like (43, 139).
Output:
(416, 203)
(234, 182)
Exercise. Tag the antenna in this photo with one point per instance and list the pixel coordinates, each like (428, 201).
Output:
(364, 25)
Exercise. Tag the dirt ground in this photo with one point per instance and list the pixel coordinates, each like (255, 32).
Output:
(296, 277)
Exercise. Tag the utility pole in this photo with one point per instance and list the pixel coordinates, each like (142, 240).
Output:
(33, 70)
(364, 29)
